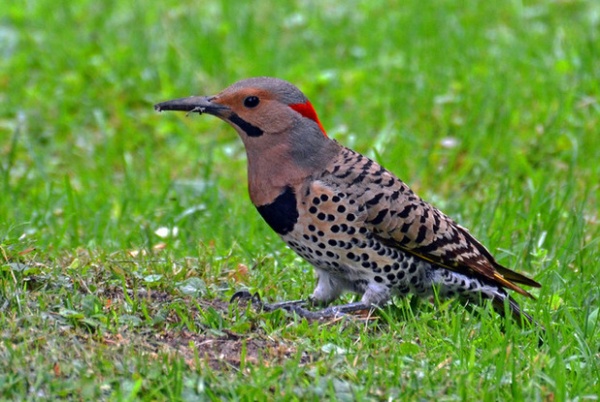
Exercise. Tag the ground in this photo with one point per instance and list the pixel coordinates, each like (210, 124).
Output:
(124, 232)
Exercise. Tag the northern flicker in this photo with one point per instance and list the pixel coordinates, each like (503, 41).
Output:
(361, 228)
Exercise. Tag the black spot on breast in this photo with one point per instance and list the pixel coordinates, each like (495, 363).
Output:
(282, 213)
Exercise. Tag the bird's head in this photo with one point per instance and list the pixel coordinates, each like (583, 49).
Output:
(284, 139)
(259, 109)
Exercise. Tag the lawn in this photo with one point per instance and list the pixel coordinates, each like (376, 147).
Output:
(124, 232)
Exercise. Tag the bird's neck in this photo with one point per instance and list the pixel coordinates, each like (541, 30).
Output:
(270, 173)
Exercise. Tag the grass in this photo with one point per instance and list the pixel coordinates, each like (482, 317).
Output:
(487, 109)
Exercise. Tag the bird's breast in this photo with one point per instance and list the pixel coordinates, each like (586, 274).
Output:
(281, 214)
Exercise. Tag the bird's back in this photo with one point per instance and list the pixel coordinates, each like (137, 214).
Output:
(359, 224)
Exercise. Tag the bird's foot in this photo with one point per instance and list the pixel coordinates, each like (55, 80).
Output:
(285, 305)
(244, 295)
(298, 306)
(330, 312)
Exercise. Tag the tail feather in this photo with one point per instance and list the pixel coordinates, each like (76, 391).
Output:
(516, 277)
(524, 320)
(521, 318)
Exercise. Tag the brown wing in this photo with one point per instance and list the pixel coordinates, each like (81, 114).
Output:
(400, 219)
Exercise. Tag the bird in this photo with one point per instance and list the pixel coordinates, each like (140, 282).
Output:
(362, 229)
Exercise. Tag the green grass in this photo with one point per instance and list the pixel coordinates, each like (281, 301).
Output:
(95, 305)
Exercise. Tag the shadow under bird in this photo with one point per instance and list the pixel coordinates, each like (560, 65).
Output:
(360, 227)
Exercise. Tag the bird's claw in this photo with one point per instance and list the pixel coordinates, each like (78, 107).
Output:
(244, 295)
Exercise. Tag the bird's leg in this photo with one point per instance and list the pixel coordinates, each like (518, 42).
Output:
(285, 305)
(330, 312)
(328, 288)
(298, 306)
(259, 304)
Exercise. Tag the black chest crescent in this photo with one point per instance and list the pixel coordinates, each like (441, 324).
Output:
(282, 213)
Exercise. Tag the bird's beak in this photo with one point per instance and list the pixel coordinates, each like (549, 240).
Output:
(193, 104)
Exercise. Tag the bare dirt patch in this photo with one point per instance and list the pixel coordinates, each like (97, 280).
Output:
(220, 350)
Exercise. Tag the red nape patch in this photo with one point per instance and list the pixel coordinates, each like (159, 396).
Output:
(307, 110)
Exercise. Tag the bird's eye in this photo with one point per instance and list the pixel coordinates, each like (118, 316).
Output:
(251, 101)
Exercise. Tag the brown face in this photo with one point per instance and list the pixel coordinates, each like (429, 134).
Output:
(254, 111)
